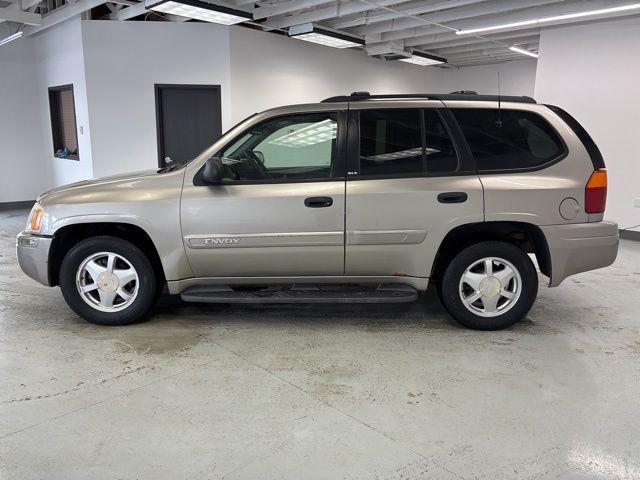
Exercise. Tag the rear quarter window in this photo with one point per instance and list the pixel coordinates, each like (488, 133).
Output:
(509, 139)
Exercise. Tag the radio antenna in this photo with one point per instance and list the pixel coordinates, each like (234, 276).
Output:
(499, 121)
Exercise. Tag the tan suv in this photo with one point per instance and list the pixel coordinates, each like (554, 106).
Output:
(360, 198)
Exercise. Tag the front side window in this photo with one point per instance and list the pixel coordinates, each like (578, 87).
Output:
(509, 139)
(390, 142)
(284, 148)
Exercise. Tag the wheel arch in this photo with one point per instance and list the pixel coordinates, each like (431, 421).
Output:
(69, 235)
(526, 236)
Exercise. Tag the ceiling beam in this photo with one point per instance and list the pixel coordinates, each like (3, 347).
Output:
(499, 50)
(464, 13)
(459, 40)
(21, 5)
(481, 46)
(9, 14)
(127, 13)
(413, 8)
(507, 18)
(63, 13)
(334, 10)
(285, 7)
(489, 60)
(136, 9)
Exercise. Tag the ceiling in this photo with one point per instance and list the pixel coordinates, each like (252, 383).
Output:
(430, 26)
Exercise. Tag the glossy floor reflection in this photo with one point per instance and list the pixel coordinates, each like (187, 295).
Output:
(306, 392)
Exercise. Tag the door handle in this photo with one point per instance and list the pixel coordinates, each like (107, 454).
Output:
(452, 197)
(318, 202)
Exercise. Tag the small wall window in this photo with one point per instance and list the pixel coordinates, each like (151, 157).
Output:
(63, 122)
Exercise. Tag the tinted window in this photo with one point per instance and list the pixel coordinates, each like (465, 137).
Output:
(441, 156)
(515, 140)
(390, 142)
(283, 148)
(585, 138)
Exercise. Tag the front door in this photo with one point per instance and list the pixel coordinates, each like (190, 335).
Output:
(409, 184)
(188, 120)
(279, 210)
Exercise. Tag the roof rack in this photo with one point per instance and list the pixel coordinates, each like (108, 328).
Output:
(461, 95)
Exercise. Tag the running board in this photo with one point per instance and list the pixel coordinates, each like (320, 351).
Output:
(303, 293)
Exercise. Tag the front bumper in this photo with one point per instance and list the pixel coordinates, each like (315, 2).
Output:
(33, 256)
(580, 247)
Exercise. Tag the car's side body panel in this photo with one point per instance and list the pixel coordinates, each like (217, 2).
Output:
(535, 196)
(395, 226)
(263, 229)
(377, 230)
(150, 201)
(580, 247)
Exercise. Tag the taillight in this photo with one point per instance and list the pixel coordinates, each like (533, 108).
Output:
(595, 193)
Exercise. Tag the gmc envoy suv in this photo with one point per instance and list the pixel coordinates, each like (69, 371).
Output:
(360, 198)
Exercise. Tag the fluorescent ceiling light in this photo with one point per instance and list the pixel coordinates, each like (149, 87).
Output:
(10, 38)
(524, 52)
(555, 18)
(323, 36)
(423, 59)
(207, 12)
(312, 134)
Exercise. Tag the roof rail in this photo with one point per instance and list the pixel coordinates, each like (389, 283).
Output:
(462, 95)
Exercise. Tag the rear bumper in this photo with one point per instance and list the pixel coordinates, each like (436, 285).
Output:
(33, 256)
(580, 247)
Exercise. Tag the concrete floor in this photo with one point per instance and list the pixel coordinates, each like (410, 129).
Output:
(306, 392)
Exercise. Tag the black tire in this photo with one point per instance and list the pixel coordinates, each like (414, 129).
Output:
(450, 285)
(148, 287)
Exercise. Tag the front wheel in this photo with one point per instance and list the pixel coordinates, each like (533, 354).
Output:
(108, 281)
(489, 286)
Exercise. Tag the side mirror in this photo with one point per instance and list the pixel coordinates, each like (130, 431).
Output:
(212, 172)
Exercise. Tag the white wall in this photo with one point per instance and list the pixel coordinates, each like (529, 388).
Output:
(593, 71)
(22, 145)
(269, 70)
(60, 61)
(123, 61)
(517, 77)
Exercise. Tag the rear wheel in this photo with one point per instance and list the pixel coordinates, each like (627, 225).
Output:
(489, 286)
(108, 281)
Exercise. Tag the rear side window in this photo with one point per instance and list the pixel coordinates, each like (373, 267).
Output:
(585, 138)
(508, 140)
(440, 153)
(390, 142)
(405, 142)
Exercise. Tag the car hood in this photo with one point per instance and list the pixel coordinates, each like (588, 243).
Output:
(96, 183)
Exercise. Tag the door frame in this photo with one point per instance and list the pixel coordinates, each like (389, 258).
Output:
(157, 89)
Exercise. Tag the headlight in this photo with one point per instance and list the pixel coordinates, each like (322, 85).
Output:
(34, 222)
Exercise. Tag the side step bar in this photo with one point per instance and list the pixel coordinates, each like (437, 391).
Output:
(303, 293)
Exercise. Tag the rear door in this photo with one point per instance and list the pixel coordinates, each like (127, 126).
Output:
(410, 181)
(527, 169)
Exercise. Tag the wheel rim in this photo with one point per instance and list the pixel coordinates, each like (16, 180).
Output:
(490, 287)
(107, 282)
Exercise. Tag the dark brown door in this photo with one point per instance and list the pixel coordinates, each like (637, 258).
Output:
(188, 120)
